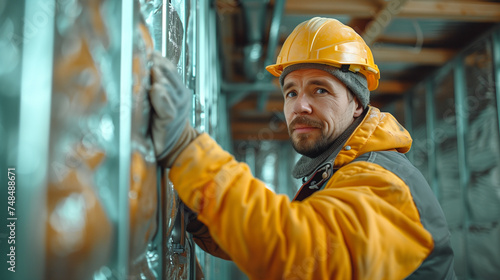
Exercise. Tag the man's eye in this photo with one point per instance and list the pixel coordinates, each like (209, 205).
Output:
(291, 94)
(321, 91)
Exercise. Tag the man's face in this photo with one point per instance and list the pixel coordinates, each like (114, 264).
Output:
(318, 108)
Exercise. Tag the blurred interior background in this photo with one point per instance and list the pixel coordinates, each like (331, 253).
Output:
(74, 116)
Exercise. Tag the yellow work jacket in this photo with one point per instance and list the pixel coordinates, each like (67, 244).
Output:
(363, 224)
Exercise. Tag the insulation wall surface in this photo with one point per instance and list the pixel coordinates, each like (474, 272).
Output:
(91, 202)
(457, 147)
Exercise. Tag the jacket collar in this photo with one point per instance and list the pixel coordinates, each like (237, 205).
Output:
(377, 132)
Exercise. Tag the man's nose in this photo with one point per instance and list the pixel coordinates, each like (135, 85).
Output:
(302, 104)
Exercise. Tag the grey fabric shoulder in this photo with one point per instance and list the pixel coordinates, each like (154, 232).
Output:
(439, 264)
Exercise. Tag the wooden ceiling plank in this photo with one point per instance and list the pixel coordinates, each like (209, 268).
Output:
(457, 10)
(470, 11)
(381, 20)
(356, 8)
(392, 87)
(359, 24)
(421, 56)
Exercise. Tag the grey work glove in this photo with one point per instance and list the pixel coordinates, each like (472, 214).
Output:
(171, 102)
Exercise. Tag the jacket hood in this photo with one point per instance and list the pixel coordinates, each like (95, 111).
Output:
(377, 132)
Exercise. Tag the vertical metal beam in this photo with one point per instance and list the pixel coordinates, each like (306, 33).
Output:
(274, 30)
(464, 176)
(164, 28)
(251, 158)
(408, 98)
(177, 9)
(279, 7)
(156, 245)
(283, 172)
(125, 126)
(223, 129)
(193, 32)
(33, 152)
(496, 69)
(431, 141)
(192, 38)
(254, 12)
(204, 70)
(159, 242)
(183, 12)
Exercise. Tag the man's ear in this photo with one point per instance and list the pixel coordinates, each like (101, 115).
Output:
(359, 108)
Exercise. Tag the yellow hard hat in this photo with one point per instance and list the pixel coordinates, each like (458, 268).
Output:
(327, 41)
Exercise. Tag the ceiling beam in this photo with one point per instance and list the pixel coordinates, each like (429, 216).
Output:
(449, 10)
(391, 87)
(423, 56)
(409, 40)
(382, 19)
(354, 8)
(456, 10)
(359, 24)
(416, 56)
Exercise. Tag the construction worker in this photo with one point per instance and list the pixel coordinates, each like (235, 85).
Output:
(364, 211)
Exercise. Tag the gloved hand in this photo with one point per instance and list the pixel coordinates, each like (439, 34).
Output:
(171, 102)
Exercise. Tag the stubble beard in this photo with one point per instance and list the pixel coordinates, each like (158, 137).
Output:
(308, 144)
(304, 145)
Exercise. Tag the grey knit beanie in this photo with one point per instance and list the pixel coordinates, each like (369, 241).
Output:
(356, 82)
